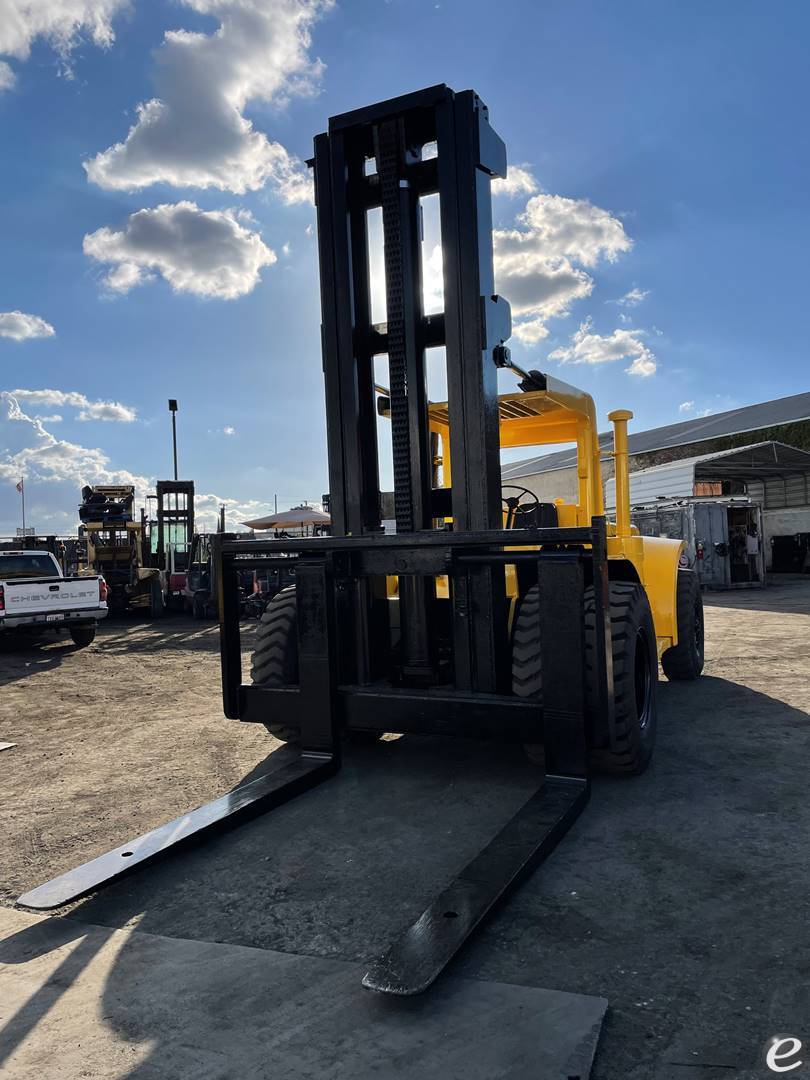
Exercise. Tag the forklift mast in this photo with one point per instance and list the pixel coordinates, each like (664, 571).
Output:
(175, 519)
(376, 158)
(392, 137)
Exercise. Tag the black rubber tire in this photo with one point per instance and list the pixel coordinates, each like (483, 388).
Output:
(684, 661)
(633, 636)
(156, 602)
(275, 654)
(198, 606)
(83, 636)
(275, 660)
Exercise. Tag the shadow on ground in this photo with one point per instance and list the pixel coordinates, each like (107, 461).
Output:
(681, 896)
(791, 596)
(20, 659)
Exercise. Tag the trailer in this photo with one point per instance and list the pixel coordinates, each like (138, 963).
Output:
(719, 534)
(483, 613)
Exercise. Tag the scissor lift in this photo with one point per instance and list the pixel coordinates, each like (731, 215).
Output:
(348, 679)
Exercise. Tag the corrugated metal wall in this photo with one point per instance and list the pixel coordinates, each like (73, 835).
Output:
(673, 481)
(790, 492)
(676, 481)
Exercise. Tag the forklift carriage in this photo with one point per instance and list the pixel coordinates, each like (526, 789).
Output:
(484, 615)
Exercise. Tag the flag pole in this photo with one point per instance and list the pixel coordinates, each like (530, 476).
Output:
(22, 497)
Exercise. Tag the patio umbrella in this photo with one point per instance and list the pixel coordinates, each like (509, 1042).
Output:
(297, 518)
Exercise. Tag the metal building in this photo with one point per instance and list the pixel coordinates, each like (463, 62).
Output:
(766, 475)
(784, 420)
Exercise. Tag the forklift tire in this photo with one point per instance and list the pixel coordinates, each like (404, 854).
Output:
(684, 661)
(635, 675)
(275, 655)
(275, 659)
(83, 636)
(198, 606)
(156, 602)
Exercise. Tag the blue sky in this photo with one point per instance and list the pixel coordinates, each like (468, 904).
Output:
(652, 241)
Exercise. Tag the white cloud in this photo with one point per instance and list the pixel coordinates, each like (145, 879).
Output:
(205, 252)
(107, 410)
(19, 327)
(206, 511)
(644, 363)
(519, 181)
(194, 132)
(588, 347)
(575, 228)
(432, 283)
(62, 23)
(237, 511)
(48, 459)
(539, 266)
(633, 298)
(88, 410)
(537, 286)
(530, 331)
(229, 430)
(686, 406)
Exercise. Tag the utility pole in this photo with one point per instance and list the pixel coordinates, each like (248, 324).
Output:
(173, 411)
(21, 489)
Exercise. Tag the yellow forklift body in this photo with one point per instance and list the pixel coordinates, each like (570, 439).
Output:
(564, 414)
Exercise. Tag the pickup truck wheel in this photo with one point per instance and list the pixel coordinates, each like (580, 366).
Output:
(684, 661)
(83, 635)
(635, 675)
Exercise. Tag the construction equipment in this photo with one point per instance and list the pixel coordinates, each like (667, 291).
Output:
(118, 548)
(256, 585)
(202, 580)
(173, 536)
(546, 632)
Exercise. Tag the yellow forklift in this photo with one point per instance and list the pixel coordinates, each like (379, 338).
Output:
(483, 613)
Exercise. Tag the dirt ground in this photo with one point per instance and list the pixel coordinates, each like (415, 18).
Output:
(112, 740)
(681, 896)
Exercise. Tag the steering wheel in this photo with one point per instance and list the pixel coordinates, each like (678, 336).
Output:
(514, 505)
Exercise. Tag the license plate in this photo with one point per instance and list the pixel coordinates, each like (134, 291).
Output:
(54, 618)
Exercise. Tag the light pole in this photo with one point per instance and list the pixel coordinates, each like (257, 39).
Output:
(173, 411)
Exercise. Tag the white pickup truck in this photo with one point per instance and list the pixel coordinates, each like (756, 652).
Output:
(36, 598)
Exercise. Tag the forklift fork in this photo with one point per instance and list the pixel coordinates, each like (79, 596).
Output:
(421, 953)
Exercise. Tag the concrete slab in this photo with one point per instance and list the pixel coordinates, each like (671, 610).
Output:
(340, 871)
(88, 1001)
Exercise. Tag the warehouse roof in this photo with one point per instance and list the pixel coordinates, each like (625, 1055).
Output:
(767, 414)
(676, 479)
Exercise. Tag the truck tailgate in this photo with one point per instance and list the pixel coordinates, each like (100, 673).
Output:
(38, 596)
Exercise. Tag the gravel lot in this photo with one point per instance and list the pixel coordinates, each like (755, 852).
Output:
(681, 896)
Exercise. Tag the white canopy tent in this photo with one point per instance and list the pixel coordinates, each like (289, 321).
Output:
(300, 517)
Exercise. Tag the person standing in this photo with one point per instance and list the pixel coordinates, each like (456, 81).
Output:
(752, 549)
